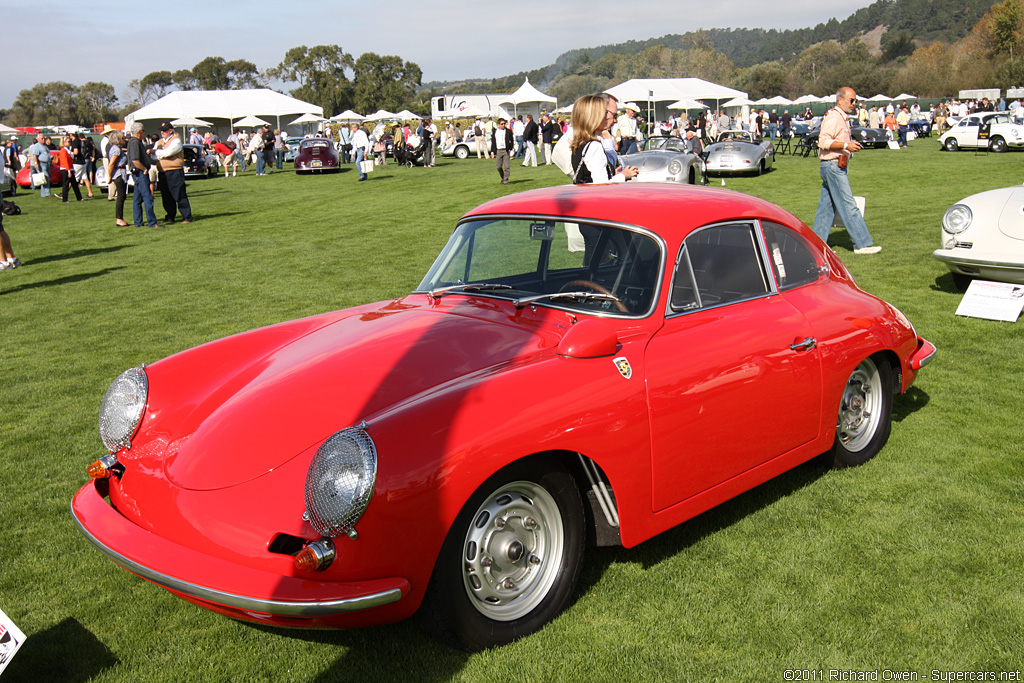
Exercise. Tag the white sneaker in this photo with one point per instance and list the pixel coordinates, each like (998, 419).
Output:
(7, 265)
(873, 249)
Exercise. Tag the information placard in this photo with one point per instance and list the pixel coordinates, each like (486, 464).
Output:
(992, 301)
(11, 638)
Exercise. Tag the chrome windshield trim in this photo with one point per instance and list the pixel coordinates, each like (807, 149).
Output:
(276, 607)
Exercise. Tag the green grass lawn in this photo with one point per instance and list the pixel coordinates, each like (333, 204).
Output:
(912, 562)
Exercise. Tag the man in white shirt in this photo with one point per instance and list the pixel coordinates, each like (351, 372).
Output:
(361, 148)
(518, 130)
(626, 129)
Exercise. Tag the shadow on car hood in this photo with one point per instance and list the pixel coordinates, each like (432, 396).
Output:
(280, 404)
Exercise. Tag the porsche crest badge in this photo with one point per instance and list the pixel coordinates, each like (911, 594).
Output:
(622, 363)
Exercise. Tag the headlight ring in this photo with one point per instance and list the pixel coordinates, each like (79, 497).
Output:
(340, 482)
(122, 408)
(957, 219)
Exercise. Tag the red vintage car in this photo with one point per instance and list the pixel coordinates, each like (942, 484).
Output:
(317, 155)
(24, 173)
(580, 364)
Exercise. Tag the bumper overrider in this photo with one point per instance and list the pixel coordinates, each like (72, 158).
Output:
(237, 591)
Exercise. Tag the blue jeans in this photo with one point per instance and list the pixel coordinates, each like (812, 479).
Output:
(837, 198)
(773, 130)
(44, 168)
(903, 135)
(279, 153)
(142, 195)
(261, 165)
(360, 156)
(520, 147)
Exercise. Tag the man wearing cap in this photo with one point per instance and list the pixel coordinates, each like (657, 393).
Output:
(480, 138)
(626, 129)
(39, 162)
(194, 138)
(170, 159)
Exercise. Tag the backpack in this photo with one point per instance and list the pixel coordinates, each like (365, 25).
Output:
(11, 209)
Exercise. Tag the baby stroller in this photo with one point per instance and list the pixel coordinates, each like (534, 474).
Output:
(409, 150)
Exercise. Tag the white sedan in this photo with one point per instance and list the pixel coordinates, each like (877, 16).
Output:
(983, 237)
(1004, 133)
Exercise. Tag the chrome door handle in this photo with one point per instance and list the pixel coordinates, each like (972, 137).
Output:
(807, 343)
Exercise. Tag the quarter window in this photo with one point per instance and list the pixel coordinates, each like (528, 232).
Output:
(791, 257)
(718, 265)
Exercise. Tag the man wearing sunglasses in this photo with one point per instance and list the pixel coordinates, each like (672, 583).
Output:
(835, 148)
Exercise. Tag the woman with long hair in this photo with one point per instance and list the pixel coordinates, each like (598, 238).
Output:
(590, 118)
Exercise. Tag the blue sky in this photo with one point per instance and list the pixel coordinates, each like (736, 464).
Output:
(114, 42)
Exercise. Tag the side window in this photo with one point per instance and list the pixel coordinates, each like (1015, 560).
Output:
(718, 265)
(791, 257)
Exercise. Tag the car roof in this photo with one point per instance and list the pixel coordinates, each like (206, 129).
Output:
(668, 209)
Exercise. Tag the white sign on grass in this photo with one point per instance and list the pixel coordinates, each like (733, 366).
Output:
(992, 300)
(11, 638)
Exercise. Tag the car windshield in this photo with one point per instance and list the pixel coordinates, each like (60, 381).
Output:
(578, 266)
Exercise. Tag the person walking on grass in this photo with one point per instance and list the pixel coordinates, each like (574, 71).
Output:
(835, 149)
(502, 144)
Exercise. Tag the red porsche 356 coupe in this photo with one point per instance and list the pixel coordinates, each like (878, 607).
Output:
(580, 364)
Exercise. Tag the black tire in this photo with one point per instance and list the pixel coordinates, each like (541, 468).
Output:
(961, 281)
(478, 599)
(952, 145)
(865, 414)
(760, 168)
(462, 152)
(998, 145)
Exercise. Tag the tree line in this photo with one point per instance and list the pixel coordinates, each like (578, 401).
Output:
(988, 54)
(324, 75)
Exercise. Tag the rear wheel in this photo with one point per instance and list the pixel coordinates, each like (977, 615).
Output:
(952, 145)
(865, 414)
(760, 168)
(510, 561)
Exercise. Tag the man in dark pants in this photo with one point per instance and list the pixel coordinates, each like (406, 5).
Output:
(502, 144)
(170, 159)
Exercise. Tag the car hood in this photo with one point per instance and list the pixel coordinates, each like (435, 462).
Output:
(1011, 217)
(274, 405)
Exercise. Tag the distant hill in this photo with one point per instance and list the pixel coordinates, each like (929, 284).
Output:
(922, 21)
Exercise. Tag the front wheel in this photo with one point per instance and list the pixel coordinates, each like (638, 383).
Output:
(462, 152)
(952, 145)
(998, 145)
(510, 561)
(865, 414)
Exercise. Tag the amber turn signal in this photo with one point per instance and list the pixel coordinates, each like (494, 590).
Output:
(316, 556)
(102, 468)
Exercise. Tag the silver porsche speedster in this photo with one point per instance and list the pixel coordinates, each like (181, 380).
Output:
(665, 160)
(736, 151)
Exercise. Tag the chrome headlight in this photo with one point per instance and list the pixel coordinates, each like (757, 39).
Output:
(957, 219)
(340, 482)
(675, 167)
(122, 407)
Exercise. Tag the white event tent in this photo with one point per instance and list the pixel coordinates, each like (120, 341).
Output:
(525, 96)
(658, 93)
(224, 106)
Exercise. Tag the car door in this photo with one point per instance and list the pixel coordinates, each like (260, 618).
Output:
(734, 378)
(967, 131)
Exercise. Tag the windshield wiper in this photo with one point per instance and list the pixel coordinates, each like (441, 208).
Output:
(522, 301)
(473, 287)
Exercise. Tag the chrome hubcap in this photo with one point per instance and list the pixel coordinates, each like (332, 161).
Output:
(860, 411)
(513, 551)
